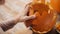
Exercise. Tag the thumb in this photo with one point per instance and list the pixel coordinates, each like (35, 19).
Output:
(28, 27)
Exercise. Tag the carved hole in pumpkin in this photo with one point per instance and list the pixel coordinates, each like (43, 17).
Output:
(40, 7)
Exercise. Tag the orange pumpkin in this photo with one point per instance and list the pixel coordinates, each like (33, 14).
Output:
(56, 5)
(42, 1)
(45, 18)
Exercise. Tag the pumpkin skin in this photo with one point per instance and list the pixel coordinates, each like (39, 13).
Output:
(44, 21)
(55, 5)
